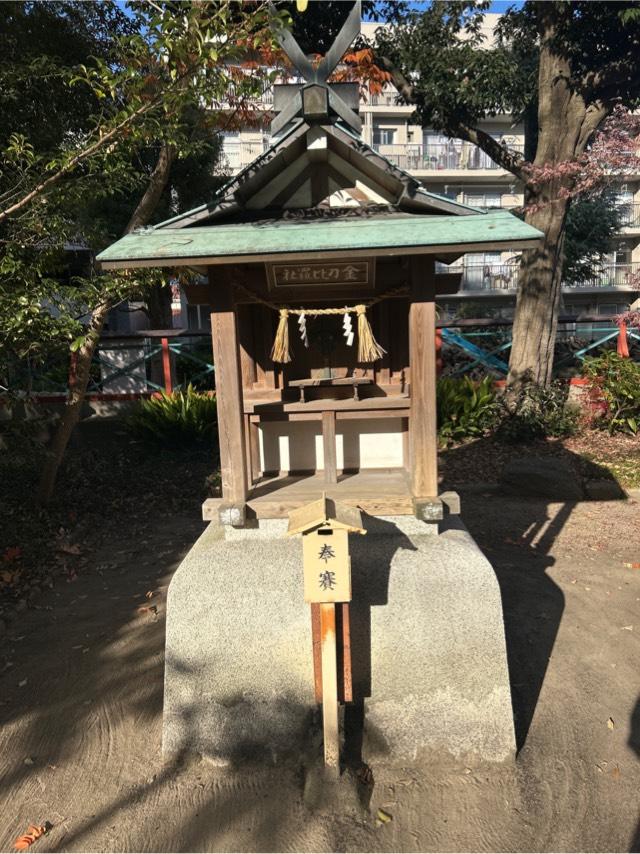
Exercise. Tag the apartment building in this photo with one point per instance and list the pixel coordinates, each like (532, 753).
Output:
(464, 172)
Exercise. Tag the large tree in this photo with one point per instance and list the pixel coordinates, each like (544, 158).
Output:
(560, 68)
(141, 109)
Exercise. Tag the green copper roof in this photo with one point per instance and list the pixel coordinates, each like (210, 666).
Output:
(269, 239)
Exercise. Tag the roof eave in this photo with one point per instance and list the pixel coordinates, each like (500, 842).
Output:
(375, 252)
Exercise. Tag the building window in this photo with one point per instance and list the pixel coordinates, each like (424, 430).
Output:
(479, 259)
(483, 200)
(383, 135)
(198, 317)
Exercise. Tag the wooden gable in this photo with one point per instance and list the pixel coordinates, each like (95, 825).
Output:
(325, 511)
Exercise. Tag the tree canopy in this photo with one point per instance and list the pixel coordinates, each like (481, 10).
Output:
(141, 99)
(561, 68)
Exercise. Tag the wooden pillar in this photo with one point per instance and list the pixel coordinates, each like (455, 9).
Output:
(226, 358)
(254, 450)
(329, 690)
(329, 450)
(423, 451)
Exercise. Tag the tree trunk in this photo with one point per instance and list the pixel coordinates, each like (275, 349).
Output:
(152, 195)
(538, 301)
(80, 379)
(159, 297)
(565, 125)
(158, 301)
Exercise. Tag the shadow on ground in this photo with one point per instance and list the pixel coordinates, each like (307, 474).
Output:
(518, 543)
(634, 744)
(80, 739)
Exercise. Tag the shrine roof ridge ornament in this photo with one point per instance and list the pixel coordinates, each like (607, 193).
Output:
(318, 101)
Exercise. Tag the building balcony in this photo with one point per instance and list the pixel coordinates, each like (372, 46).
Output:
(630, 216)
(615, 276)
(389, 103)
(236, 154)
(441, 156)
(503, 278)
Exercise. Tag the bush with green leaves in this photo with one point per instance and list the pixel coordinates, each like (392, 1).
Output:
(466, 409)
(617, 381)
(183, 416)
(538, 412)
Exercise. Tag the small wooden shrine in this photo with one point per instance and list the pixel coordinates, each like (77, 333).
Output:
(321, 261)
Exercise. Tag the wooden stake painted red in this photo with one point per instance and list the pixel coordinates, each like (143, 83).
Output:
(623, 341)
(166, 365)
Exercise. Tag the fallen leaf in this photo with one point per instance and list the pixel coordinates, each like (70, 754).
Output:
(365, 775)
(22, 683)
(151, 609)
(10, 576)
(149, 594)
(616, 773)
(34, 831)
(610, 723)
(632, 565)
(28, 761)
(628, 628)
(383, 816)
(69, 549)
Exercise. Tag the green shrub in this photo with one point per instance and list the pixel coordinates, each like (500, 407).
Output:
(618, 381)
(539, 412)
(465, 408)
(184, 416)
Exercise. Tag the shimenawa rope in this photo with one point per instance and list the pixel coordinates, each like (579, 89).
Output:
(368, 348)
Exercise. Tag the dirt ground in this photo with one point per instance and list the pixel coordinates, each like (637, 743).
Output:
(81, 704)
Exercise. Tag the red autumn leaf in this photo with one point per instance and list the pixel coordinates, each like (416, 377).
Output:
(34, 831)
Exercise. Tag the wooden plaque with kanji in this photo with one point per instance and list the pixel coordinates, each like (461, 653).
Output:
(326, 566)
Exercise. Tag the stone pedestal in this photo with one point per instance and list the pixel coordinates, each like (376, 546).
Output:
(428, 647)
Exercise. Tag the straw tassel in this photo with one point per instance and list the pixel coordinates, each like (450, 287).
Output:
(280, 350)
(368, 348)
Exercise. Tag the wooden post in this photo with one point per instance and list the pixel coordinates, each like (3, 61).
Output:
(254, 446)
(422, 365)
(233, 462)
(166, 365)
(329, 690)
(329, 450)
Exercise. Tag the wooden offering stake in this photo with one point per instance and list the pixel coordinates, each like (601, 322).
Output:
(325, 525)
